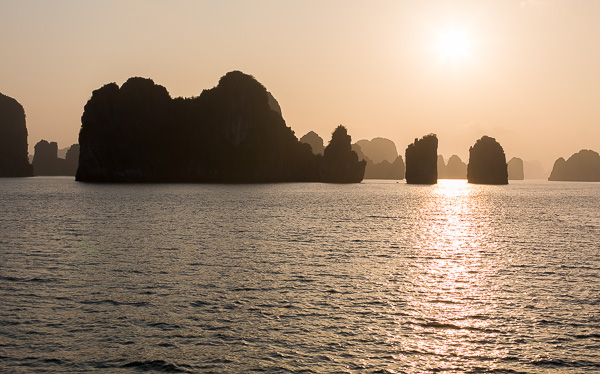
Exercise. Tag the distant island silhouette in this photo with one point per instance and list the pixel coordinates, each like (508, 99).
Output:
(232, 133)
(383, 160)
(315, 141)
(583, 166)
(455, 169)
(515, 169)
(378, 149)
(487, 162)
(421, 160)
(13, 139)
(390, 165)
(46, 161)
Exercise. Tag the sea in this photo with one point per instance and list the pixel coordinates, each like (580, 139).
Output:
(375, 277)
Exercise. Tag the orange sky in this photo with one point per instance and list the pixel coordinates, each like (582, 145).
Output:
(524, 72)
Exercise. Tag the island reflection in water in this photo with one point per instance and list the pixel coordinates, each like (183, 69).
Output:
(300, 277)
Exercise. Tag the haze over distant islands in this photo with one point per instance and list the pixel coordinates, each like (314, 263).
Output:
(315, 141)
(383, 150)
(487, 162)
(13, 139)
(455, 169)
(515, 169)
(232, 133)
(583, 166)
(383, 160)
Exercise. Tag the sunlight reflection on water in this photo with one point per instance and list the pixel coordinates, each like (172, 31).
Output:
(450, 279)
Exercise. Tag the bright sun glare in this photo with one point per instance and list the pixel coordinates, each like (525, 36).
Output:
(454, 45)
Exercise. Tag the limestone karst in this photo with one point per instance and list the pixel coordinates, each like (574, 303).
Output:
(389, 164)
(515, 169)
(583, 166)
(421, 160)
(46, 161)
(14, 160)
(315, 141)
(232, 133)
(487, 162)
(340, 163)
(378, 149)
(456, 168)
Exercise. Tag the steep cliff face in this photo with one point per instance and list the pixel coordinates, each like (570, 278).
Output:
(45, 158)
(72, 160)
(515, 169)
(340, 163)
(13, 139)
(487, 162)
(583, 166)
(232, 133)
(421, 161)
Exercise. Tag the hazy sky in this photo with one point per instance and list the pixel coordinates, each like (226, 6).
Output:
(524, 72)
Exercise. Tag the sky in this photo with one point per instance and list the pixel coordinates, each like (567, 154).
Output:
(526, 72)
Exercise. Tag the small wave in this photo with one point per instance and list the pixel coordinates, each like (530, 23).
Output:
(200, 303)
(587, 336)
(114, 303)
(54, 361)
(32, 280)
(450, 326)
(494, 370)
(439, 301)
(164, 326)
(155, 365)
(439, 325)
(566, 363)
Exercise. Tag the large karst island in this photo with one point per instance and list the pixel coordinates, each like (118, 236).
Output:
(232, 133)
(13, 139)
(487, 162)
(583, 166)
(421, 160)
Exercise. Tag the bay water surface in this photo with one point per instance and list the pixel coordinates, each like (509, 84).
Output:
(299, 278)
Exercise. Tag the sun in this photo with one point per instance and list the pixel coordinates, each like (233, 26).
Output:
(454, 45)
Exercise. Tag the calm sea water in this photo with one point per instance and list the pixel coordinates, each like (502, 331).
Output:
(371, 277)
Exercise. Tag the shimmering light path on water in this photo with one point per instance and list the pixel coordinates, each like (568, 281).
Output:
(372, 277)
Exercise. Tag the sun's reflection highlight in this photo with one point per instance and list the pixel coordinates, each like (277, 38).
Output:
(448, 300)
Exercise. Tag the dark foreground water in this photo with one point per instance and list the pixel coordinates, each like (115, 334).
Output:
(373, 277)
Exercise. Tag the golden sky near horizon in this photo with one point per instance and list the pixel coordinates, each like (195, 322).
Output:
(524, 72)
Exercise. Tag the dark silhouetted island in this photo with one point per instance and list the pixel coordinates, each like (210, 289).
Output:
(232, 133)
(583, 166)
(515, 169)
(421, 160)
(315, 141)
(487, 162)
(46, 161)
(340, 163)
(14, 161)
